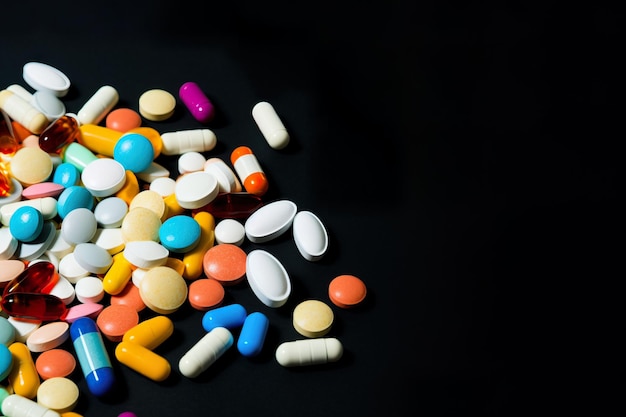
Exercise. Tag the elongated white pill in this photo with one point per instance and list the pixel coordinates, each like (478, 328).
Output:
(309, 352)
(205, 352)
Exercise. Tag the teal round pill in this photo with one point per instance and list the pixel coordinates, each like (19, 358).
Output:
(26, 224)
(180, 233)
(6, 361)
(66, 174)
(72, 198)
(134, 151)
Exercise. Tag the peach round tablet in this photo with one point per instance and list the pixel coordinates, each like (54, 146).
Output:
(130, 297)
(55, 363)
(163, 290)
(157, 105)
(59, 394)
(123, 119)
(205, 293)
(226, 263)
(115, 320)
(346, 291)
(48, 336)
(313, 318)
(9, 269)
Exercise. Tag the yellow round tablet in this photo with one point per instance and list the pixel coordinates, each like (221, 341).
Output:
(163, 290)
(31, 165)
(157, 105)
(58, 393)
(151, 200)
(141, 223)
(313, 318)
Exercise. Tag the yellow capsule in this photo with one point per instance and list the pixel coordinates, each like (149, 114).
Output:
(193, 259)
(143, 361)
(172, 206)
(118, 275)
(130, 188)
(150, 333)
(101, 140)
(23, 378)
(176, 264)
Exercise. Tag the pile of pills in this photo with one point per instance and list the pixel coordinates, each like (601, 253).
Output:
(94, 231)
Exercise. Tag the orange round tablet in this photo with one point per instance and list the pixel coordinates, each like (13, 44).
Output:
(226, 263)
(346, 291)
(205, 293)
(123, 120)
(55, 363)
(129, 296)
(115, 320)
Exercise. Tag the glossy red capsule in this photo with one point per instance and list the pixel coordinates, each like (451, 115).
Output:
(34, 306)
(61, 132)
(232, 205)
(38, 277)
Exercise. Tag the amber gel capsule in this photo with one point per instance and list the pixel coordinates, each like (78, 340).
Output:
(34, 306)
(59, 133)
(39, 277)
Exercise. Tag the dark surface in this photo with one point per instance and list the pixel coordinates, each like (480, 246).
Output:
(459, 155)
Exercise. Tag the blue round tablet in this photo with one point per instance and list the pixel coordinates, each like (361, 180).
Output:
(26, 224)
(179, 233)
(75, 196)
(134, 151)
(66, 174)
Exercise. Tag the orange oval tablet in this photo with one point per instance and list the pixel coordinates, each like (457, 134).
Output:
(114, 320)
(226, 263)
(205, 293)
(346, 291)
(129, 296)
(55, 363)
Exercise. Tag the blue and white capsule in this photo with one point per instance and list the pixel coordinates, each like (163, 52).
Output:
(92, 356)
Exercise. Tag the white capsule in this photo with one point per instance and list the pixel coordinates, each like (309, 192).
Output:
(205, 352)
(309, 352)
(16, 405)
(191, 140)
(23, 112)
(270, 125)
(98, 106)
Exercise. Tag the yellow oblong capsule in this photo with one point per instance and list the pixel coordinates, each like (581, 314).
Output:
(143, 361)
(150, 333)
(118, 275)
(99, 139)
(193, 259)
(23, 378)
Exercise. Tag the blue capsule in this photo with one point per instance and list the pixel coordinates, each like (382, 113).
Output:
(92, 356)
(230, 317)
(252, 335)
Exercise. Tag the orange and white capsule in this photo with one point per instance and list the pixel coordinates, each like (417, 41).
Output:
(249, 170)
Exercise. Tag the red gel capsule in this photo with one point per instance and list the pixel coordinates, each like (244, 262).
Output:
(61, 132)
(34, 306)
(232, 205)
(38, 277)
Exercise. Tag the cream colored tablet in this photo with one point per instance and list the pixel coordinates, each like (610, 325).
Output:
(196, 189)
(313, 318)
(157, 105)
(163, 290)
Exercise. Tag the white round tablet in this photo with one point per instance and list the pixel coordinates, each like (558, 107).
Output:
(89, 289)
(93, 258)
(164, 186)
(145, 253)
(230, 231)
(79, 226)
(103, 177)
(196, 189)
(110, 212)
(191, 162)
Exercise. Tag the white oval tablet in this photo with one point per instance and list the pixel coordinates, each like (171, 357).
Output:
(64, 290)
(268, 278)
(229, 231)
(89, 290)
(153, 172)
(103, 177)
(23, 328)
(93, 258)
(196, 189)
(43, 77)
(49, 104)
(270, 221)
(145, 253)
(70, 269)
(36, 248)
(110, 212)
(310, 235)
(79, 226)
(225, 176)
(8, 243)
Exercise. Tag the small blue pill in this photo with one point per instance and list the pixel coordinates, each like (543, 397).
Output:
(73, 197)
(66, 175)
(252, 335)
(180, 233)
(26, 224)
(134, 151)
(230, 317)
(6, 361)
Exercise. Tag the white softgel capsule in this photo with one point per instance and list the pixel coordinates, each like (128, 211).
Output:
(309, 352)
(270, 125)
(181, 141)
(205, 352)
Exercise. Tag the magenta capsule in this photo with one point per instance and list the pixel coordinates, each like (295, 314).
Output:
(197, 102)
(38, 277)
(232, 205)
(33, 306)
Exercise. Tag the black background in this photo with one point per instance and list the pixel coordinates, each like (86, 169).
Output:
(462, 156)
